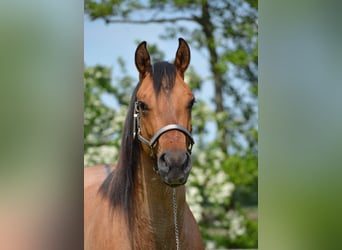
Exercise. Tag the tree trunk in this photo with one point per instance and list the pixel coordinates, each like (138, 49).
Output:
(208, 29)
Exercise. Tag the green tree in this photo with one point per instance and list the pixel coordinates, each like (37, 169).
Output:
(223, 183)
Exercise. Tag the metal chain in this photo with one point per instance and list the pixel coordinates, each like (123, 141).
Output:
(174, 205)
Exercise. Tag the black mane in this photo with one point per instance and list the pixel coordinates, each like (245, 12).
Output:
(119, 184)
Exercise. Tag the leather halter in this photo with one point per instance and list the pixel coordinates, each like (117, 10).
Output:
(160, 132)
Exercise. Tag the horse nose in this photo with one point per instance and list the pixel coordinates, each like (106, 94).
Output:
(174, 167)
(174, 160)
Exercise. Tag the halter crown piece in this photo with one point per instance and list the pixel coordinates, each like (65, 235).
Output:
(160, 132)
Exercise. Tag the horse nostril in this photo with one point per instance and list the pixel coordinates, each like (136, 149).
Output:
(165, 162)
(162, 158)
(187, 159)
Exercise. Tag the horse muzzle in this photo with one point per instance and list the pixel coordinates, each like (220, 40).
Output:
(174, 167)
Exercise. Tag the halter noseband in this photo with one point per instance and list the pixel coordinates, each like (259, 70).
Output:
(160, 132)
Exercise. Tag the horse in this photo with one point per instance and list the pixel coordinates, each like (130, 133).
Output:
(141, 202)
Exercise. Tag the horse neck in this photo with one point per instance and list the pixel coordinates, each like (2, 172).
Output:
(153, 206)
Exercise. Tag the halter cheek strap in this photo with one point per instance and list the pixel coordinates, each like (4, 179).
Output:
(160, 132)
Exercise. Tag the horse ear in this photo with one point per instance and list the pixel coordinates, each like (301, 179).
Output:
(142, 60)
(182, 59)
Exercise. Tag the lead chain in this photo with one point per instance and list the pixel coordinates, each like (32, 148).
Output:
(174, 205)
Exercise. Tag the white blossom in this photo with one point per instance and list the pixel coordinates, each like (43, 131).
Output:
(237, 227)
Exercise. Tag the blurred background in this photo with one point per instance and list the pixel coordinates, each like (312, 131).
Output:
(299, 108)
(223, 187)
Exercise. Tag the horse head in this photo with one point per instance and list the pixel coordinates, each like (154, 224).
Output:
(162, 116)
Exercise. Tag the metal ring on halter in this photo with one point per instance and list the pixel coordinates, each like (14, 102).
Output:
(160, 132)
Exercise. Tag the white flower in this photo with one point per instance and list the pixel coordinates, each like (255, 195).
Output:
(199, 175)
(202, 159)
(210, 245)
(237, 226)
(103, 154)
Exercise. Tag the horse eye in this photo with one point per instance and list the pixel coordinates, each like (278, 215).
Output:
(191, 103)
(143, 106)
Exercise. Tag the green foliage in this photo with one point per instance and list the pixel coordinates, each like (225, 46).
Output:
(222, 190)
(97, 117)
(102, 124)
